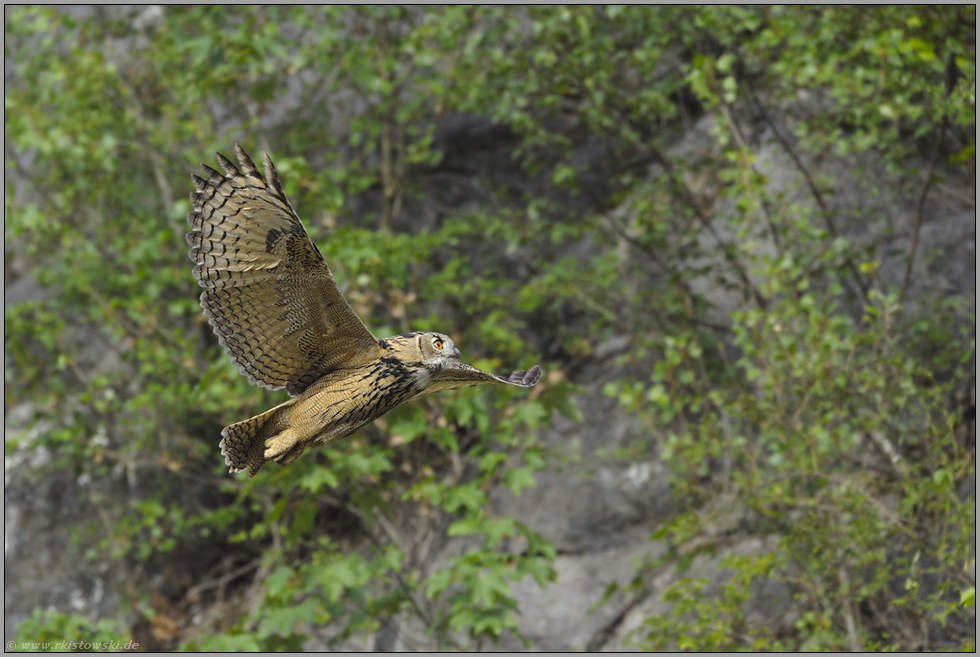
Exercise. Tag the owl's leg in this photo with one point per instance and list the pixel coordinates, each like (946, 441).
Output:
(279, 447)
(247, 445)
(291, 455)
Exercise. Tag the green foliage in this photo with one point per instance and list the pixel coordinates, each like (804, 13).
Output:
(106, 118)
(53, 631)
(791, 393)
(817, 420)
(788, 448)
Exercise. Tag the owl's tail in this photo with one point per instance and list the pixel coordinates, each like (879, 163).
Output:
(246, 445)
(238, 440)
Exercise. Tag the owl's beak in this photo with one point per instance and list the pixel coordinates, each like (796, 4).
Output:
(456, 353)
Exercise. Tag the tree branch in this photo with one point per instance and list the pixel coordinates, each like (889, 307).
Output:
(919, 211)
(706, 224)
(744, 147)
(814, 191)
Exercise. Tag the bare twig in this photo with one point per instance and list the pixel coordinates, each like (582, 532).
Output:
(888, 448)
(853, 644)
(166, 193)
(706, 224)
(224, 579)
(814, 190)
(469, 181)
(606, 632)
(666, 269)
(919, 210)
(393, 535)
(744, 147)
(406, 589)
(388, 182)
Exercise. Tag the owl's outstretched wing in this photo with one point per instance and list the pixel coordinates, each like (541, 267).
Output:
(460, 375)
(268, 291)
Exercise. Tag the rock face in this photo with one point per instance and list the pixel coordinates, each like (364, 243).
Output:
(598, 513)
(599, 516)
(42, 566)
(593, 505)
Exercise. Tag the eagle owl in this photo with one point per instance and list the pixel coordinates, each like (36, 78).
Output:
(275, 307)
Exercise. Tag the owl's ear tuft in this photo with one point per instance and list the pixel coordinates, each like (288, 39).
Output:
(526, 378)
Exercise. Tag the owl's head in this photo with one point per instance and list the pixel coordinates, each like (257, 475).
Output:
(437, 349)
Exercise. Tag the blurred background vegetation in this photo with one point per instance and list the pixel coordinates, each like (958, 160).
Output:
(698, 200)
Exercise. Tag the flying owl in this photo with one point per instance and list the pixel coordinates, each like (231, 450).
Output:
(275, 307)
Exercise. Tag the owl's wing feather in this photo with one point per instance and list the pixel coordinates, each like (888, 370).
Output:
(269, 294)
(460, 375)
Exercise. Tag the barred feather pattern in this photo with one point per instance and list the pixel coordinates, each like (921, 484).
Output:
(276, 309)
(269, 294)
(333, 407)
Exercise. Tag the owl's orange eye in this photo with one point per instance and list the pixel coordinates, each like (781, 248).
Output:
(437, 344)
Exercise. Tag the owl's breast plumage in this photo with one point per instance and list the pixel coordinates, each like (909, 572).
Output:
(342, 402)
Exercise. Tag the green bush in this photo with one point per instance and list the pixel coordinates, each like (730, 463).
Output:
(53, 631)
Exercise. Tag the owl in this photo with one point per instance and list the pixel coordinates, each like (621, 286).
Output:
(274, 305)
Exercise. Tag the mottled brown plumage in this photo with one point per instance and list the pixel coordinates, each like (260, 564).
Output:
(278, 312)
